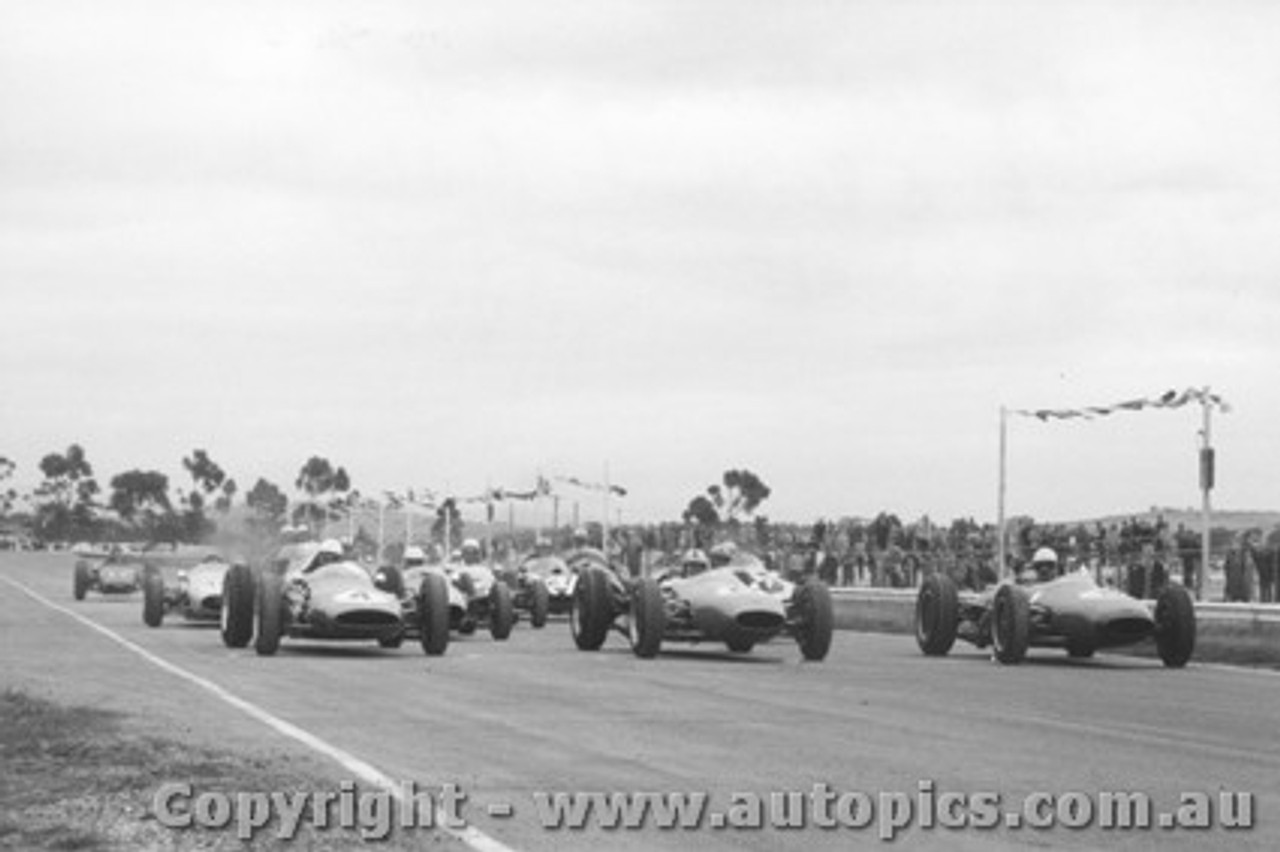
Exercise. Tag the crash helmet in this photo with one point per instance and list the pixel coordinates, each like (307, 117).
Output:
(693, 562)
(1045, 562)
(722, 554)
(329, 551)
(471, 551)
(542, 546)
(414, 555)
(580, 537)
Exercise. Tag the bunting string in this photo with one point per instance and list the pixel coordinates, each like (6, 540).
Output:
(1168, 399)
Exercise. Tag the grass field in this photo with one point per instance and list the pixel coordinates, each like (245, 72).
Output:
(74, 780)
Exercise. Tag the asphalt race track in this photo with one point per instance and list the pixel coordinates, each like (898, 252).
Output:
(503, 720)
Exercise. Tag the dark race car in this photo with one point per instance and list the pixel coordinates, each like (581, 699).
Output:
(309, 591)
(543, 586)
(740, 605)
(459, 595)
(116, 573)
(1071, 612)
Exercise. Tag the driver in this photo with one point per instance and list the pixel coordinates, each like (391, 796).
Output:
(694, 562)
(329, 552)
(722, 554)
(414, 557)
(1044, 565)
(471, 552)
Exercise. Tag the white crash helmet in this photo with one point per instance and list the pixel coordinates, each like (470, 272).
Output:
(470, 544)
(723, 553)
(414, 554)
(694, 561)
(1044, 555)
(331, 546)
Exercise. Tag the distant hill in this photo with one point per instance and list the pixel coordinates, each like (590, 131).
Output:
(1230, 519)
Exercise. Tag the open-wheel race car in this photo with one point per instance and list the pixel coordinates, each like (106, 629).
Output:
(197, 596)
(114, 573)
(310, 591)
(737, 602)
(459, 595)
(1071, 612)
(543, 587)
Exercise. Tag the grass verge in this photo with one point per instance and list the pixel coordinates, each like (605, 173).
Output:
(75, 779)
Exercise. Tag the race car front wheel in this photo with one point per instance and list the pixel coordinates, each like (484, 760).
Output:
(237, 606)
(1010, 624)
(81, 579)
(433, 614)
(270, 610)
(648, 618)
(1175, 632)
(152, 597)
(592, 611)
(502, 613)
(937, 615)
(815, 619)
(540, 604)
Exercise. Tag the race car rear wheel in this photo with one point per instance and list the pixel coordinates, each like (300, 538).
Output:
(390, 579)
(815, 619)
(502, 612)
(1175, 632)
(540, 604)
(433, 614)
(152, 597)
(648, 618)
(237, 606)
(82, 579)
(937, 615)
(592, 610)
(1010, 624)
(270, 610)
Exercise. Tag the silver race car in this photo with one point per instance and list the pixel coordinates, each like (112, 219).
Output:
(310, 591)
(197, 596)
(736, 602)
(1071, 612)
(112, 573)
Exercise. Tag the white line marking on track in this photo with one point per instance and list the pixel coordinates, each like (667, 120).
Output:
(470, 835)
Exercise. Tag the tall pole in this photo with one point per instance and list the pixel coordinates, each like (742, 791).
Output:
(1000, 537)
(604, 526)
(1206, 484)
(382, 529)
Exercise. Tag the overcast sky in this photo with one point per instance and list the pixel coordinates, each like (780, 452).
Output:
(452, 244)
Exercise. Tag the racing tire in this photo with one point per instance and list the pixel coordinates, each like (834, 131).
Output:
(1175, 631)
(82, 579)
(236, 617)
(433, 614)
(648, 618)
(1081, 648)
(738, 645)
(815, 619)
(502, 611)
(390, 579)
(270, 610)
(540, 605)
(152, 598)
(1010, 624)
(592, 609)
(937, 615)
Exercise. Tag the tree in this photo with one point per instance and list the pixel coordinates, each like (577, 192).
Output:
(8, 496)
(65, 507)
(207, 477)
(744, 492)
(137, 493)
(448, 509)
(268, 505)
(736, 500)
(316, 479)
